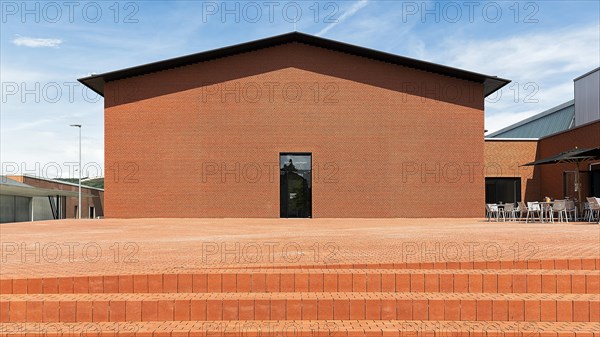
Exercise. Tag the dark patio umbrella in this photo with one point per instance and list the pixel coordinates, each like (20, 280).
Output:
(575, 156)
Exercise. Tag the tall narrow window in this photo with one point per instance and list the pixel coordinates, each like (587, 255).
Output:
(295, 185)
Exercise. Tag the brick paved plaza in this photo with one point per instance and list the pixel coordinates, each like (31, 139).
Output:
(315, 277)
(137, 246)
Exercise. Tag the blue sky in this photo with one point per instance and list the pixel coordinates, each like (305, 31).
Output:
(45, 46)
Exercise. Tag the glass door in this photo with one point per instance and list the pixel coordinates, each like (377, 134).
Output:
(295, 185)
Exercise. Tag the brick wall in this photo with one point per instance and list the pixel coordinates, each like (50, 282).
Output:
(386, 141)
(585, 136)
(503, 158)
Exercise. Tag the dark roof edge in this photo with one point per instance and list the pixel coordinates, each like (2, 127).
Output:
(510, 139)
(586, 74)
(96, 82)
(532, 118)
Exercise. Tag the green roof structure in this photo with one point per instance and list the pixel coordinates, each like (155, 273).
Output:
(556, 119)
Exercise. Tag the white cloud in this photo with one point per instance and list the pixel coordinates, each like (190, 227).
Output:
(541, 64)
(351, 11)
(550, 60)
(537, 55)
(36, 42)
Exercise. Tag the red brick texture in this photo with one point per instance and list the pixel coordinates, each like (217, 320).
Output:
(503, 159)
(381, 306)
(550, 294)
(345, 280)
(204, 140)
(378, 308)
(585, 136)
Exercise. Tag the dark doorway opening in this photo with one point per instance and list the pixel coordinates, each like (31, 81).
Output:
(569, 190)
(295, 185)
(502, 190)
(595, 180)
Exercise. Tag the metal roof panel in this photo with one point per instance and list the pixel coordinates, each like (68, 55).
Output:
(543, 124)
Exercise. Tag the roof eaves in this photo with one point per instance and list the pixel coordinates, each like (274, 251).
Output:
(96, 82)
(586, 74)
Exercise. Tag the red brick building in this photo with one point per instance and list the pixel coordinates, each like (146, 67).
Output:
(37, 198)
(504, 158)
(369, 134)
(574, 124)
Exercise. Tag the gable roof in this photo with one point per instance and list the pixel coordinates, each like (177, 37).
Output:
(556, 119)
(96, 82)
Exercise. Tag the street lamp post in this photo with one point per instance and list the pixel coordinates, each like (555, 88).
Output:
(79, 202)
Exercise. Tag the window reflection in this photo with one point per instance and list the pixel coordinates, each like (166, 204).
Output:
(295, 185)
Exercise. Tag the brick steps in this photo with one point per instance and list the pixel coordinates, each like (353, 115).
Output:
(556, 298)
(322, 280)
(312, 328)
(548, 264)
(554, 264)
(299, 306)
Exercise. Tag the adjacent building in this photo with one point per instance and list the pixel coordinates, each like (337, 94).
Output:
(28, 198)
(575, 123)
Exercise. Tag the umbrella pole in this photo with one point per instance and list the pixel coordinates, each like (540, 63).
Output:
(578, 187)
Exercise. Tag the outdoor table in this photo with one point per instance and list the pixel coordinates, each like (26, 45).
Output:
(542, 203)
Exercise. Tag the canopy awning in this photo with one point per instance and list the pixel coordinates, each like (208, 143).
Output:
(571, 156)
(575, 156)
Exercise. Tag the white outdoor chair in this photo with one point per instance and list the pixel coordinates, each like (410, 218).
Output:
(533, 208)
(598, 203)
(491, 210)
(571, 209)
(509, 212)
(521, 208)
(560, 207)
(594, 208)
(586, 210)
